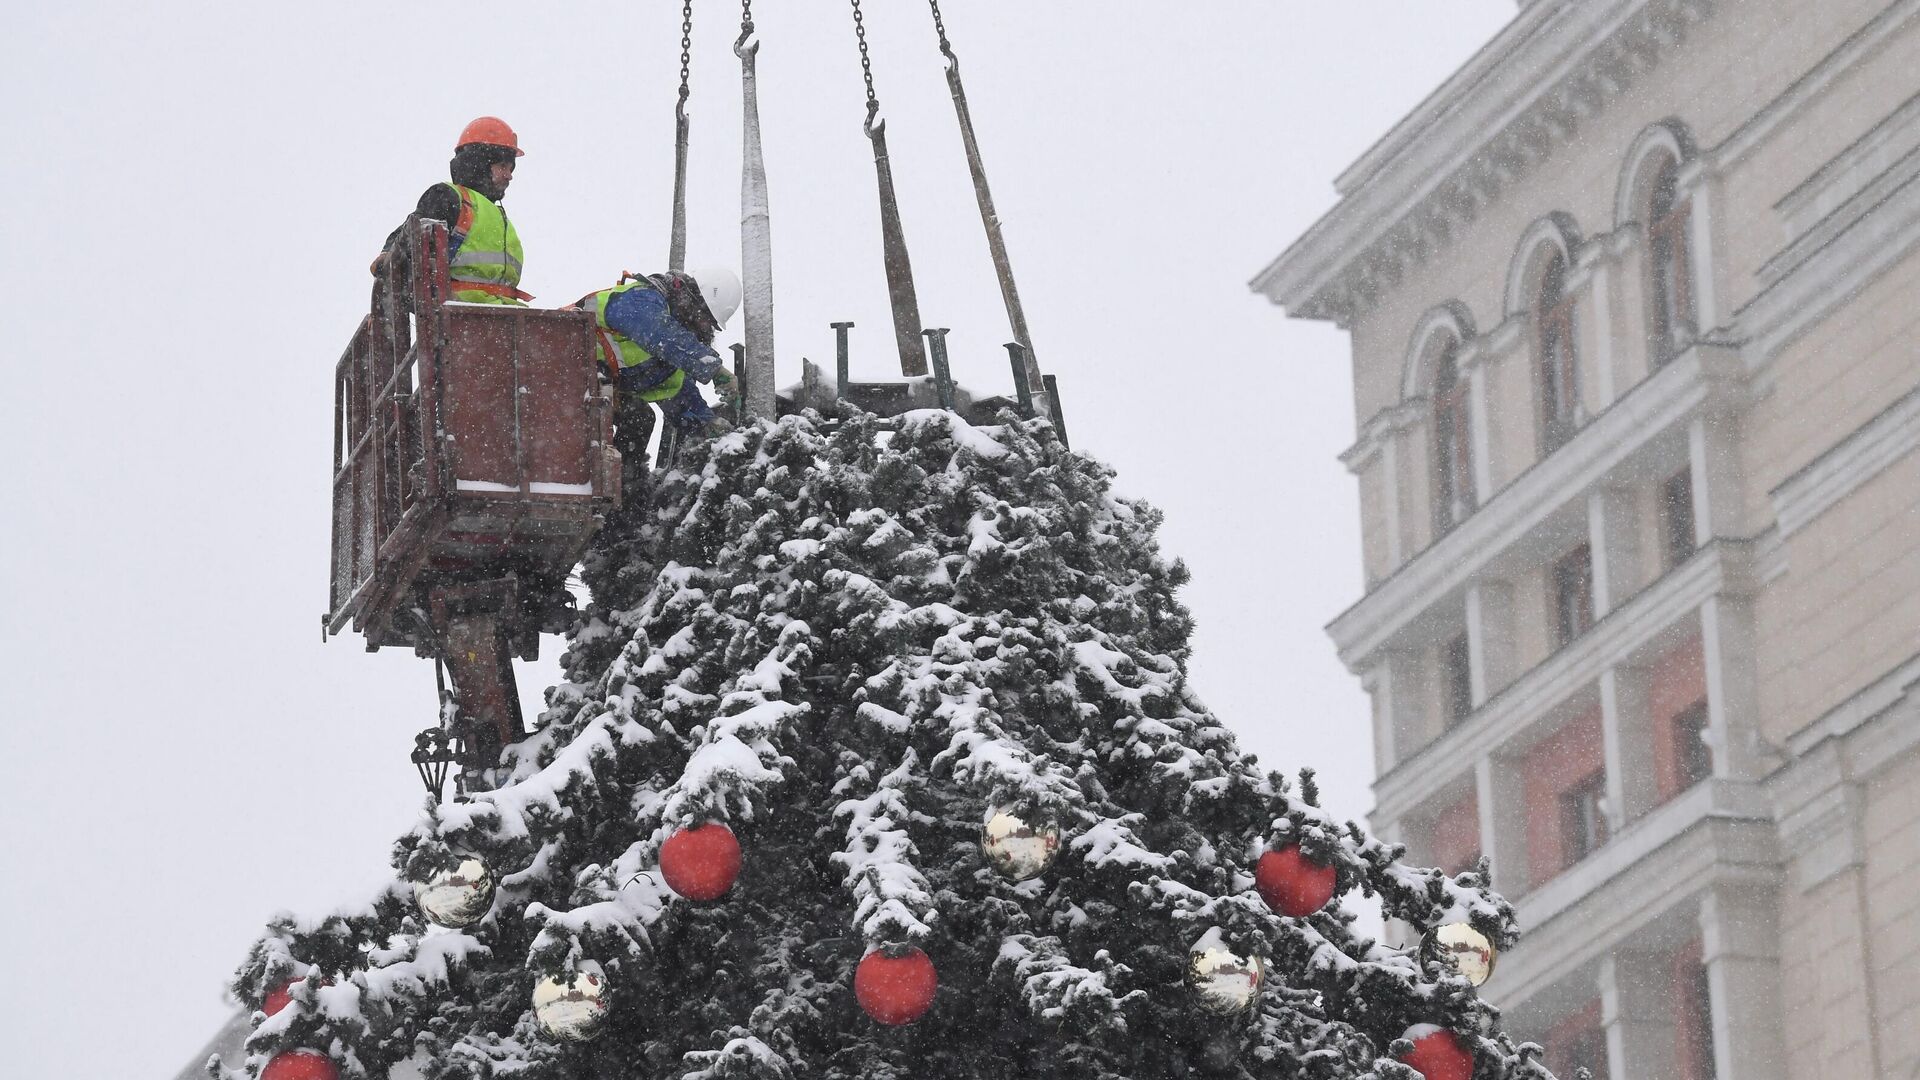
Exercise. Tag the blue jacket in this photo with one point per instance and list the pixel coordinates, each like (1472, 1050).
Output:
(641, 316)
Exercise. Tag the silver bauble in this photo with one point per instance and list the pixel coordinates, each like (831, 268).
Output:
(572, 1010)
(459, 897)
(1223, 981)
(1467, 950)
(1018, 848)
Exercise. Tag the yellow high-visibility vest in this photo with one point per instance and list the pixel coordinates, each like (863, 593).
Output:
(624, 351)
(486, 268)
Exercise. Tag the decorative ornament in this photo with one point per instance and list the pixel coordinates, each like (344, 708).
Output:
(572, 1010)
(1437, 1053)
(433, 753)
(701, 863)
(1016, 847)
(1291, 883)
(300, 1065)
(1223, 981)
(279, 997)
(895, 984)
(457, 898)
(1465, 949)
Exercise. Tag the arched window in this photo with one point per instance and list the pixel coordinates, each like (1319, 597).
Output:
(1668, 264)
(1452, 452)
(1559, 367)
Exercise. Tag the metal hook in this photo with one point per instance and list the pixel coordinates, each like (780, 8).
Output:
(872, 129)
(740, 47)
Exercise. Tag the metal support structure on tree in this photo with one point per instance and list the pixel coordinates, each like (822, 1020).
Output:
(841, 377)
(756, 233)
(677, 245)
(996, 243)
(893, 238)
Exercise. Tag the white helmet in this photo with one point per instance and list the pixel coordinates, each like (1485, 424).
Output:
(720, 287)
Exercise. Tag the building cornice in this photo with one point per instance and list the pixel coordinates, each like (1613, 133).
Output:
(1523, 95)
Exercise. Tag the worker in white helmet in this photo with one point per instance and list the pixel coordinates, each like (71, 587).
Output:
(655, 337)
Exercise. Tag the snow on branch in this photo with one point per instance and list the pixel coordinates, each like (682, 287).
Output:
(891, 896)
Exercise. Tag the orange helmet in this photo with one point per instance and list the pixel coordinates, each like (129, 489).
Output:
(490, 131)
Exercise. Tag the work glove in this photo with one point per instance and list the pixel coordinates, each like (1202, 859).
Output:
(723, 380)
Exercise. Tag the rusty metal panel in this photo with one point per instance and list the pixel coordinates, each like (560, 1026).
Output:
(559, 414)
(476, 380)
(519, 392)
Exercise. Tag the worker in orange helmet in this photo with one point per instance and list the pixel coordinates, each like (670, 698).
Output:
(483, 250)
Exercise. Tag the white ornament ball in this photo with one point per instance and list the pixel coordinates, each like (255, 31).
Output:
(459, 897)
(572, 1010)
(1018, 848)
(1463, 947)
(1223, 981)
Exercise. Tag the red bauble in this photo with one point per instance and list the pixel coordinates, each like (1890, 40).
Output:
(701, 863)
(301, 1065)
(895, 990)
(1291, 883)
(1437, 1053)
(278, 997)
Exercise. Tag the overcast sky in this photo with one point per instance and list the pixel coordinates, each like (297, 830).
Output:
(191, 196)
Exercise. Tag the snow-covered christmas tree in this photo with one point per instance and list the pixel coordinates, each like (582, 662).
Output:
(751, 836)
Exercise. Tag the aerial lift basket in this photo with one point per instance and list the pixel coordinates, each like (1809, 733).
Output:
(472, 461)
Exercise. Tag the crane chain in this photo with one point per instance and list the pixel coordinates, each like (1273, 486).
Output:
(940, 27)
(746, 19)
(686, 48)
(866, 62)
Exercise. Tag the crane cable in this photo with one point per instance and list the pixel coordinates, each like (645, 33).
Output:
(677, 246)
(893, 240)
(996, 243)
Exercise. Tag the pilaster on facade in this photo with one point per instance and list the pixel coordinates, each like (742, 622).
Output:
(1740, 947)
(1597, 333)
(1614, 541)
(1703, 241)
(1480, 429)
(1637, 1012)
(1713, 459)
(1627, 728)
(1490, 637)
(1500, 789)
(1730, 647)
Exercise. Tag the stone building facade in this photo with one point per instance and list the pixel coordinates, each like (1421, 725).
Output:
(1634, 302)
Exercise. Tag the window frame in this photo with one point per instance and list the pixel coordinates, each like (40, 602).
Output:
(1570, 592)
(1588, 1050)
(1692, 754)
(1584, 828)
(1453, 493)
(1677, 524)
(1557, 358)
(1696, 1021)
(1671, 313)
(1456, 679)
